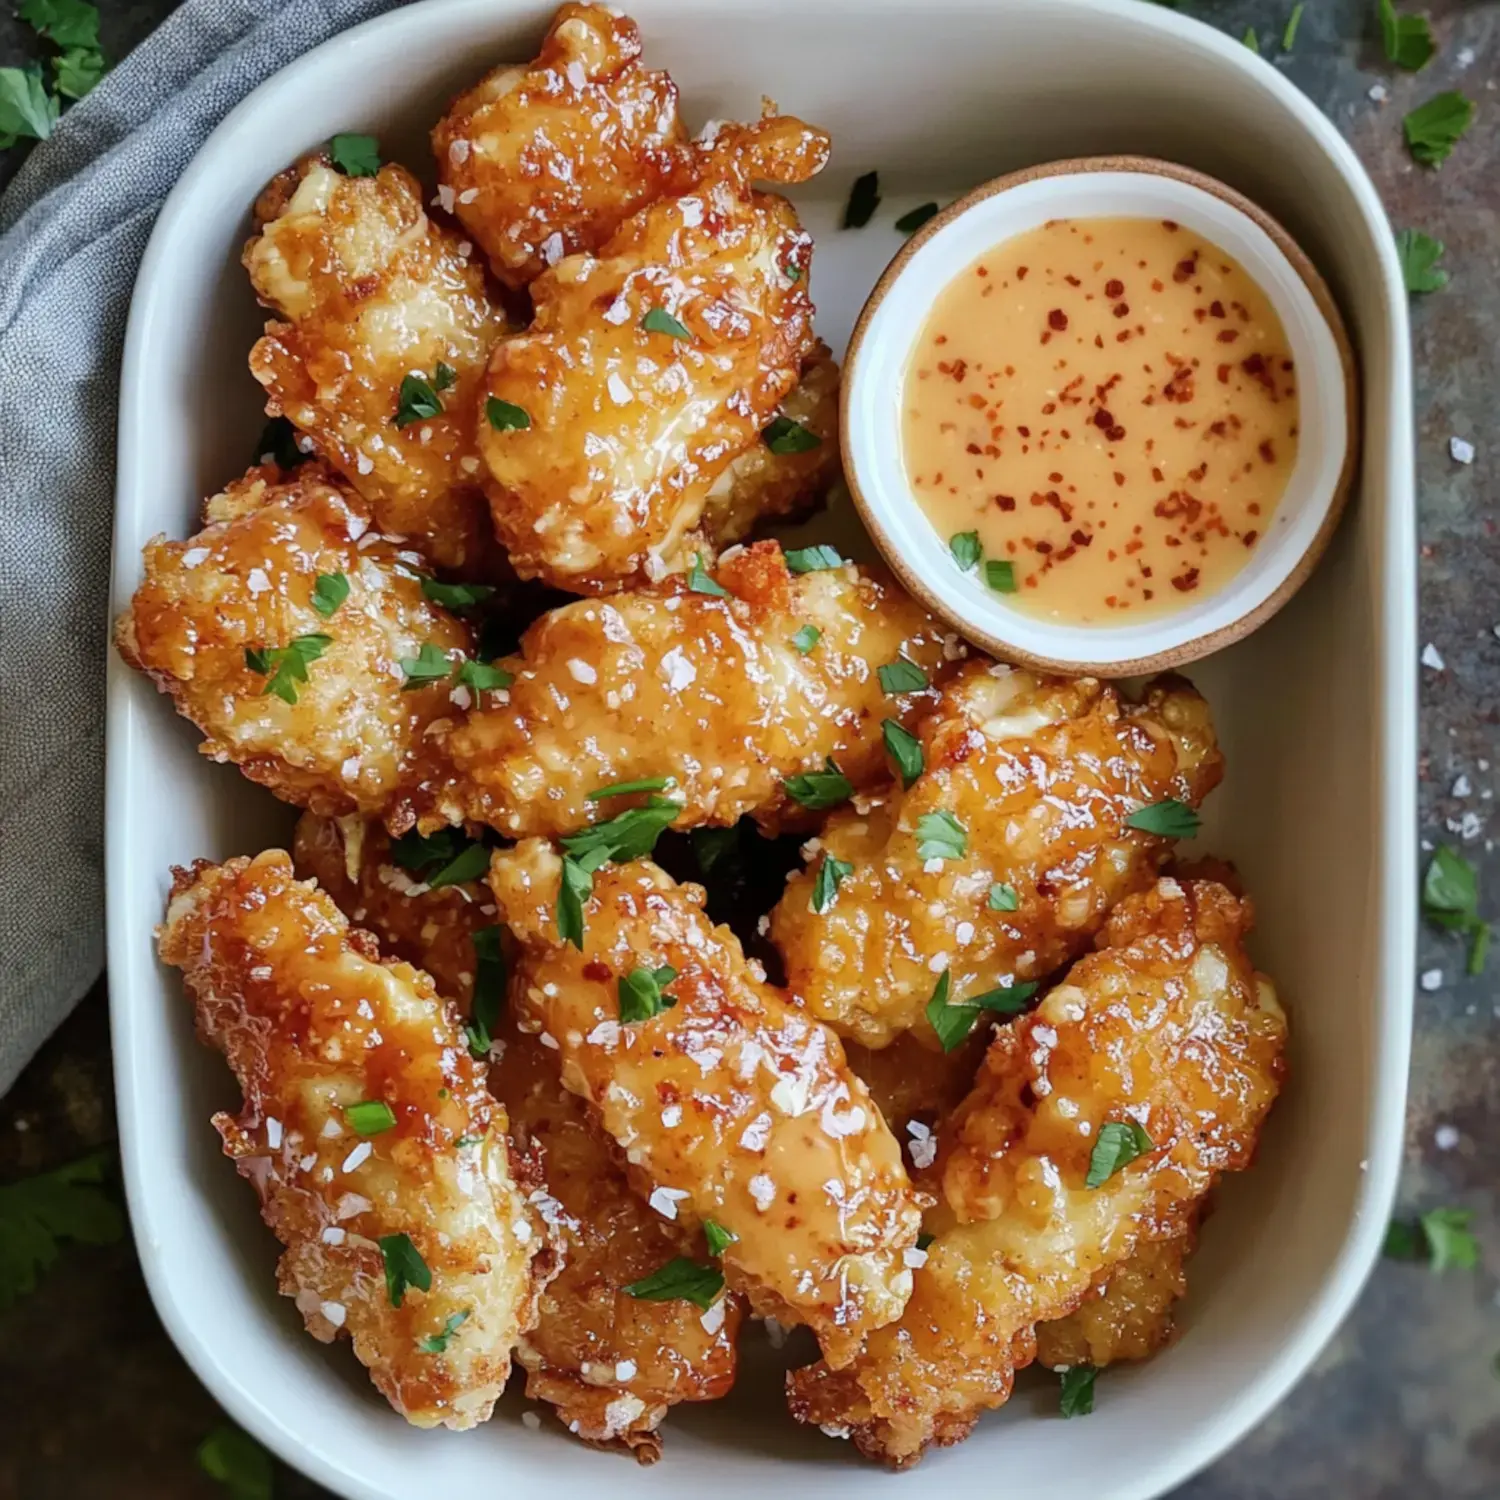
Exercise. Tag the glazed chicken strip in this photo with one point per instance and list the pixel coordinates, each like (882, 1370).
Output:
(1167, 1031)
(729, 1105)
(610, 1363)
(387, 328)
(650, 366)
(545, 159)
(711, 689)
(1027, 786)
(280, 630)
(379, 1156)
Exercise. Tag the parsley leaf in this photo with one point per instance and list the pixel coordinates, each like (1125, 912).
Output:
(965, 547)
(1408, 39)
(437, 1343)
(631, 834)
(37, 1212)
(1293, 21)
(813, 559)
(447, 857)
(904, 749)
(286, 666)
(506, 416)
(328, 593)
(576, 887)
(483, 677)
(404, 1267)
(1434, 128)
(1003, 897)
(278, 442)
(700, 581)
(355, 155)
(659, 320)
(370, 1116)
(1077, 1396)
(77, 70)
(26, 109)
(1169, 818)
(1419, 255)
(831, 874)
(712, 846)
(806, 638)
(902, 676)
(429, 665)
(1442, 1236)
(1000, 575)
(1119, 1143)
(941, 836)
(472, 864)
(625, 788)
(1450, 899)
(782, 435)
(679, 1280)
(913, 220)
(68, 23)
(864, 199)
(489, 990)
(954, 1020)
(417, 400)
(719, 1239)
(444, 377)
(817, 790)
(238, 1462)
(640, 993)
(455, 595)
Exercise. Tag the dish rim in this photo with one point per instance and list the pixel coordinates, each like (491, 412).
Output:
(1393, 883)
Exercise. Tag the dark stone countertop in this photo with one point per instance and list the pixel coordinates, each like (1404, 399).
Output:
(98, 1406)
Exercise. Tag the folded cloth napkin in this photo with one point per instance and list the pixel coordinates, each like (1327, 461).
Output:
(73, 226)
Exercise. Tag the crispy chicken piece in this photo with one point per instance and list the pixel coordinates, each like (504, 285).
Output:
(1040, 774)
(309, 704)
(1168, 1026)
(728, 1104)
(545, 159)
(649, 367)
(372, 291)
(1129, 1317)
(712, 691)
(611, 1364)
(411, 1237)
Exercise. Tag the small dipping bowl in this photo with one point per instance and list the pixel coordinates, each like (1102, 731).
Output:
(891, 327)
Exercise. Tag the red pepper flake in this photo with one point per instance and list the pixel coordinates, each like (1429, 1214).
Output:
(981, 270)
(1170, 225)
(1119, 479)
(1228, 335)
(1005, 502)
(1072, 281)
(1043, 547)
(1250, 538)
(1224, 374)
(1256, 368)
(973, 448)
(1054, 478)
(1121, 309)
(1024, 431)
(1114, 289)
(1098, 341)
(1185, 582)
(1057, 319)
(1081, 538)
(1267, 452)
(1197, 475)
(595, 971)
(1103, 420)
(1185, 270)
(1157, 475)
(1216, 308)
(1116, 434)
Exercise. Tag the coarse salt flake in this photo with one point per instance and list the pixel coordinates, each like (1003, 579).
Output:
(580, 671)
(763, 1190)
(257, 581)
(531, 1421)
(1445, 1137)
(671, 1116)
(334, 1312)
(625, 1370)
(458, 152)
(357, 1157)
(619, 392)
(273, 1132)
(552, 248)
(1432, 657)
(665, 1200)
(333, 1235)
(713, 1319)
(914, 1258)
(193, 556)
(1432, 979)
(444, 199)
(1461, 450)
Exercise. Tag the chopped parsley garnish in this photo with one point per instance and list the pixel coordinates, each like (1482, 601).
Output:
(278, 442)
(941, 836)
(328, 593)
(1293, 21)
(489, 990)
(26, 108)
(1003, 897)
(429, 665)
(1077, 1398)
(77, 70)
(813, 559)
(455, 595)
(954, 1020)
(792, 273)
(370, 1116)
(576, 886)
(719, 1238)
(1000, 575)
(965, 547)
(915, 218)
(1119, 1143)
(1434, 128)
(417, 400)
(628, 835)
(286, 666)
(782, 435)
(625, 788)
(700, 581)
(902, 676)
(864, 199)
(831, 874)
(443, 377)
(506, 416)
(1450, 899)
(640, 993)
(238, 1462)
(1170, 819)
(712, 846)
(1441, 1236)
(806, 638)
(1419, 255)
(904, 749)
(36, 1213)
(1408, 39)
(483, 677)
(437, 1343)
(659, 320)
(680, 1279)
(404, 1267)
(447, 857)
(817, 790)
(355, 155)
(472, 864)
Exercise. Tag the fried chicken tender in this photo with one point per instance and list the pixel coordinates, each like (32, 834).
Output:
(1130, 1317)
(372, 291)
(668, 681)
(728, 1103)
(611, 1364)
(311, 705)
(651, 366)
(1040, 774)
(1168, 1026)
(413, 1238)
(546, 159)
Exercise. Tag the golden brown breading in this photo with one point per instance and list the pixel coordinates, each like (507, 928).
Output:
(668, 681)
(1041, 774)
(728, 1104)
(611, 1364)
(546, 159)
(312, 1023)
(626, 420)
(372, 292)
(1129, 1316)
(1168, 1026)
(353, 739)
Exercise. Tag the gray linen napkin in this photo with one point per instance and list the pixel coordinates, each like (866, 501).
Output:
(73, 226)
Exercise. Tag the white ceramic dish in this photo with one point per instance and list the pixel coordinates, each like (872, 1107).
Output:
(1317, 713)
(892, 323)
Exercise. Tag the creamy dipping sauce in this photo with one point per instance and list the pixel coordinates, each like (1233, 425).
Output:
(1111, 405)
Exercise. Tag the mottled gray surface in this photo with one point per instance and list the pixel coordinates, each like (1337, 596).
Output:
(97, 1405)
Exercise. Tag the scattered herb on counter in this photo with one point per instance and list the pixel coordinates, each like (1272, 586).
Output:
(1251, 40)
(1293, 21)
(913, 220)
(26, 108)
(1450, 899)
(864, 199)
(1433, 129)
(1441, 1237)
(1408, 39)
(1419, 255)
(238, 1462)
(38, 1213)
